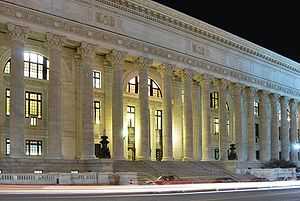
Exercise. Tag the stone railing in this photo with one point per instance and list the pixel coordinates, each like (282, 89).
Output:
(272, 173)
(121, 178)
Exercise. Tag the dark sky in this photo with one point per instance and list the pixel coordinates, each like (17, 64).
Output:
(275, 26)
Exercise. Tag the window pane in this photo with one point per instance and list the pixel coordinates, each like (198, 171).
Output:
(7, 67)
(26, 56)
(33, 57)
(40, 59)
(26, 69)
(33, 70)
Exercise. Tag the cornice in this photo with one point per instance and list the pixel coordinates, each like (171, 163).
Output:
(58, 24)
(161, 14)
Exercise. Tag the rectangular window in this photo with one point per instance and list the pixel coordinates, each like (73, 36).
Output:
(33, 105)
(158, 118)
(216, 126)
(97, 79)
(217, 154)
(256, 108)
(228, 127)
(257, 155)
(7, 146)
(38, 171)
(7, 102)
(33, 121)
(256, 133)
(214, 100)
(279, 133)
(131, 116)
(97, 111)
(33, 147)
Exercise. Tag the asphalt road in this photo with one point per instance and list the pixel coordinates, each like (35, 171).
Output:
(260, 195)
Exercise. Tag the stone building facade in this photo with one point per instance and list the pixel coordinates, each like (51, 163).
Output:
(160, 85)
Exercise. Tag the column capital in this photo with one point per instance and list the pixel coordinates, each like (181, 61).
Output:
(17, 32)
(284, 100)
(274, 97)
(167, 69)
(222, 84)
(86, 50)
(262, 93)
(250, 91)
(116, 57)
(237, 89)
(206, 80)
(143, 62)
(293, 106)
(55, 41)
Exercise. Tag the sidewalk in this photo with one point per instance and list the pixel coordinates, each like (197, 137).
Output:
(142, 189)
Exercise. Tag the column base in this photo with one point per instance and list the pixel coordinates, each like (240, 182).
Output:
(187, 159)
(88, 157)
(167, 159)
(142, 158)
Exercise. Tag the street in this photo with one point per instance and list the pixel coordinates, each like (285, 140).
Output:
(253, 195)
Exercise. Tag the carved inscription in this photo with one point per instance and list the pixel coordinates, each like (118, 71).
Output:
(105, 19)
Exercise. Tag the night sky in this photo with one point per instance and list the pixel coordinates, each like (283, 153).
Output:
(275, 26)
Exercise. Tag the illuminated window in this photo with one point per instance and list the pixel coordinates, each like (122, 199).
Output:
(33, 147)
(33, 105)
(214, 100)
(7, 102)
(33, 121)
(228, 127)
(131, 116)
(153, 88)
(256, 108)
(97, 79)
(35, 66)
(158, 117)
(7, 146)
(97, 111)
(216, 126)
(288, 115)
(217, 153)
(38, 171)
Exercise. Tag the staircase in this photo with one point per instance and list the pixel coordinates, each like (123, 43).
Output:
(189, 169)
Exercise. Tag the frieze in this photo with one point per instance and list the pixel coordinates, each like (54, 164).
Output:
(58, 24)
(105, 19)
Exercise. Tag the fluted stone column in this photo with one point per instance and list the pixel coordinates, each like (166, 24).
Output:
(196, 99)
(167, 73)
(17, 35)
(55, 131)
(284, 129)
(206, 131)
(87, 52)
(117, 59)
(250, 92)
(239, 137)
(293, 108)
(143, 145)
(108, 80)
(264, 134)
(223, 135)
(188, 148)
(274, 127)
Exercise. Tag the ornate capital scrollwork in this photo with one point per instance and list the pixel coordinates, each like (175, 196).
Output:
(222, 84)
(55, 41)
(284, 101)
(167, 69)
(293, 106)
(143, 62)
(188, 74)
(17, 33)
(116, 57)
(87, 51)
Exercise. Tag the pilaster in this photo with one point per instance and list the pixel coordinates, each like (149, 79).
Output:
(206, 130)
(284, 129)
(55, 131)
(87, 52)
(17, 35)
(274, 98)
(117, 59)
(167, 74)
(188, 116)
(293, 129)
(250, 92)
(143, 146)
(223, 135)
(264, 128)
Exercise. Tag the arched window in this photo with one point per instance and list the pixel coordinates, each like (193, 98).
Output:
(35, 66)
(153, 88)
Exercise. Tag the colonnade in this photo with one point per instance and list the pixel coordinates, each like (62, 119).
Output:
(243, 100)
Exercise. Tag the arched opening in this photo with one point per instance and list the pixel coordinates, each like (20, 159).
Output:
(35, 66)
(156, 134)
